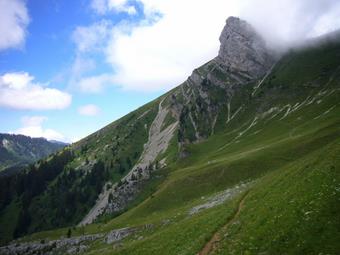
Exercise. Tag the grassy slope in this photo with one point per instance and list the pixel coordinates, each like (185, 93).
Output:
(293, 206)
(293, 211)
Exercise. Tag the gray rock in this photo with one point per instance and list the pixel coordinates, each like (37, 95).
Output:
(243, 49)
(118, 235)
(69, 245)
(220, 198)
(166, 222)
(148, 226)
(78, 249)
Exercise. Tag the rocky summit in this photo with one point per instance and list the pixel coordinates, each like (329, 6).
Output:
(243, 49)
(241, 158)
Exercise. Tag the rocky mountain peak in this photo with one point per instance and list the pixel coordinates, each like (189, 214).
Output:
(243, 49)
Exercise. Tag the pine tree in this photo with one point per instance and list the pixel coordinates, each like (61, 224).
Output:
(69, 233)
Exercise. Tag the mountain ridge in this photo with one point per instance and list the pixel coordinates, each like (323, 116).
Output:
(20, 150)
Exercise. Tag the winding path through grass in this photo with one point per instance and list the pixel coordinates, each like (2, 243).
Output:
(212, 245)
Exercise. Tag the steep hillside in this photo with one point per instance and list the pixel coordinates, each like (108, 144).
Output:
(242, 158)
(19, 150)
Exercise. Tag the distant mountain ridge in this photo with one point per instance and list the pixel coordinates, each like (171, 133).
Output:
(19, 150)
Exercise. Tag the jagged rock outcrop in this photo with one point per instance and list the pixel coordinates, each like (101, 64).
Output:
(243, 58)
(243, 49)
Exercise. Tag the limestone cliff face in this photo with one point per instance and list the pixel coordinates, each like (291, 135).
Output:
(243, 49)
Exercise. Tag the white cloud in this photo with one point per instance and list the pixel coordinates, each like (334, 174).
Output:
(100, 6)
(95, 84)
(29, 121)
(327, 22)
(89, 41)
(18, 91)
(82, 65)
(89, 110)
(105, 6)
(286, 22)
(91, 38)
(14, 19)
(32, 126)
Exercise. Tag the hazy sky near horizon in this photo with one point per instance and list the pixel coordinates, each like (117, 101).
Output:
(67, 68)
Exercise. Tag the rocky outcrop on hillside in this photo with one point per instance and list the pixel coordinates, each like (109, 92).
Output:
(120, 194)
(243, 49)
(243, 58)
(73, 245)
(118, 234)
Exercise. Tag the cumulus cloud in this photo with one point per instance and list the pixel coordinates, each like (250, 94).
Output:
(95, 84)
(105, 6)
(82, 65)
(32, 126)
(90, 41)
(14, 20)
(284, 23)
(19, 91)
(91, 38)
(89, 110)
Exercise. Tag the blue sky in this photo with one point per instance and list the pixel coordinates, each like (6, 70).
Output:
(68, 68)
(48, 54)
